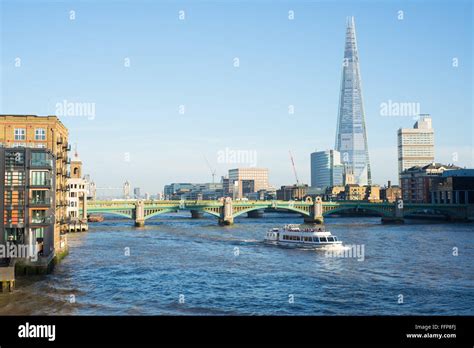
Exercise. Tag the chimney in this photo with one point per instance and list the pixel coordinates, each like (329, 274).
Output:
(389, 184)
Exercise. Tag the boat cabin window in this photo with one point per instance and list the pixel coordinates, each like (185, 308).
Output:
(316, 239)
(323, 239)
(330, 239)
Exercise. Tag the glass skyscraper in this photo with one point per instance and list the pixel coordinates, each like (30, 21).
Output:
(351, 135)
(326, 169)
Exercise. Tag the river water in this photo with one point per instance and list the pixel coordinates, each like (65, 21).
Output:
(179, 266)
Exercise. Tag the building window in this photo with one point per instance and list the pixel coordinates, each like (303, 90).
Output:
(14, 178)
(40, 179)
(39, 216)
(14, 159)
(20, 134)
(39, 197)
(40, 134)
(41, 159)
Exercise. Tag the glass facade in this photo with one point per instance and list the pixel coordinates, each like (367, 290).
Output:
(351, 135)
(326, 169)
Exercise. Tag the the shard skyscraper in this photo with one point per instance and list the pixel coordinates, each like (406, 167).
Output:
(351, 135)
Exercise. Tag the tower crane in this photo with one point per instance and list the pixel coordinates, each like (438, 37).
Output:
(294, 169)
(213, 171)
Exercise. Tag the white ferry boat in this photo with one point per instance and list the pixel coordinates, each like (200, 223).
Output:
(302, 237)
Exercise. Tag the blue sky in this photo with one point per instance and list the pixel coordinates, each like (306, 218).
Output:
(138, 133)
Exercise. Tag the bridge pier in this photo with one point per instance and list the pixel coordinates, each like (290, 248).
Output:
(254, 214)
(316, 216)
(227, 213)
(196, 214)
(397, 218)
(139, 214)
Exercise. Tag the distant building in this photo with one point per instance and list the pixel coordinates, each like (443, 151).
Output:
(91, 190)
(416, 145)
(416, 181)
(292, 192)
(372, 193)
(247, 180)
(27, 207)
(353, 192)
(453, 187)
(335, 193)
(348, 177)
(225, 185)
(77, 199)
(136, 193)
(326, 169)
(173, 189)
(390, 193)
(126, 190)
(193, 191)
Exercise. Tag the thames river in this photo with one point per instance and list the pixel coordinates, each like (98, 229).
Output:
(179, 266)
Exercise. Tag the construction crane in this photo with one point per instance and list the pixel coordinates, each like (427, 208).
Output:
(294, 169)
(213, 171)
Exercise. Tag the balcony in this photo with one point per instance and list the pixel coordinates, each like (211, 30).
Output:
(41, 219)
(41, 183)
(15, 222)
(36, 202)
(43, 163)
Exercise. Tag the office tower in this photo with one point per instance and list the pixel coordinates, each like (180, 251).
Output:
(247, 180)
(136, 193)
(416, 145)
(351, 135)
(326, 169)
(126, 190)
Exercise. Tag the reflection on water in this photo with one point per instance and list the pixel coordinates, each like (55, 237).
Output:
(229, 271)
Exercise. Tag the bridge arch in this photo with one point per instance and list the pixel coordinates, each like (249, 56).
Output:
(128, 215)
(277, 209)
(159, 212)
(380, 211)
(446, 211)
(174, 210)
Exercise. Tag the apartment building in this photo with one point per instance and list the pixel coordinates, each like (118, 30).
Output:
(43, 132)
(27, 206)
